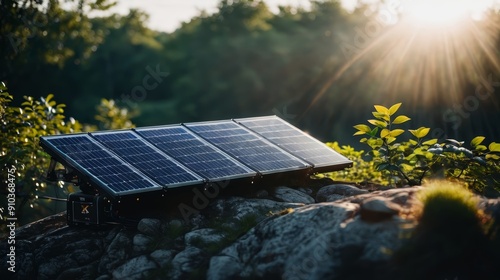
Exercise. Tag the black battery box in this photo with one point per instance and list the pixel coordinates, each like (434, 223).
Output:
(86, 209)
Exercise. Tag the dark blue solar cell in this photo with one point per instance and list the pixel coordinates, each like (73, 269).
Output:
(105, 168)
(147, 159)
(247, 147)
(196, 154)
(294, 141)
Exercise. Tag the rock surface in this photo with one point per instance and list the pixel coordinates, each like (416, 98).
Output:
(232, 238)
(337, 192)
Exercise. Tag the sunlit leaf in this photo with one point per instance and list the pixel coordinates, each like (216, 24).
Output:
(430, 142)
(384, 132)
(492, 156)
(477, 140)
(381, 116)
(481, 148)
(389, 140)
(400, 119)
(362, 127)
(49, 97)
(494, 147)
(396, 132)
(394, 108)
(420, 132)
(413, 142)
(378, 123)
(381, 109)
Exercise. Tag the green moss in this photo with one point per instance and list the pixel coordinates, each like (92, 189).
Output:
(448, 207)
(450, 240)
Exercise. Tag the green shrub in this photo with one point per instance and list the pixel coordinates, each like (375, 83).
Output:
(21, 129)
(411, 161)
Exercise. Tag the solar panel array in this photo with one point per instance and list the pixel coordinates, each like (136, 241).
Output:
(109, 171)
(196, 154)
(247, 147)
(147, 159)
(294, 141)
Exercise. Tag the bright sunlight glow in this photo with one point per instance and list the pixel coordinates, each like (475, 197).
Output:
(444, 12)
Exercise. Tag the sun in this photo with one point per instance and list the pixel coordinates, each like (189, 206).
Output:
(444, 12)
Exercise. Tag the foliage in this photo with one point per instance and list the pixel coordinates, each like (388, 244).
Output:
(110, 116)
(451, 239)
(409, 162)
(21, 130)
(362, 171)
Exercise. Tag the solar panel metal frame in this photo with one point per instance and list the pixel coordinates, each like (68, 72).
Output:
(251, 173)
(317, 168)
(66, 160)
(200, 180)
(306, 165)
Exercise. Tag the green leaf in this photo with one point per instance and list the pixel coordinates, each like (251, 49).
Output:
(373, 132)
(394, 108)
(400, 119)
(413, 142)
(359, 132)
(378, 123)
(494, 147)
(430, 142)
(381, 109)
(476, 141)
(396, 132)
(362, 127)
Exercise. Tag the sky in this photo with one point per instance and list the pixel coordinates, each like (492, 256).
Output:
(167, 15)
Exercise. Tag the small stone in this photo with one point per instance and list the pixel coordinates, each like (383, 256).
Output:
(162, 257)
(135, 268)
(203, 236)
(141, 242)
(149, 226)
(287, 194)
(336, 192)
(376, 209)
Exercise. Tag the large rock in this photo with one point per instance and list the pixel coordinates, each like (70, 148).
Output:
(377, 208)
(287, 240)
(312, 242)
(287, 194)
(337, 192)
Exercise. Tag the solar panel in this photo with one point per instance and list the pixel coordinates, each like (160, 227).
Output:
(148, 159)
(249, 148)
(103, 167)
(195, 153)
(295, 141)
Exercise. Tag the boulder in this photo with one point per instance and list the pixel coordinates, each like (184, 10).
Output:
(337, 192)
(375, 209)
(287, 194)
